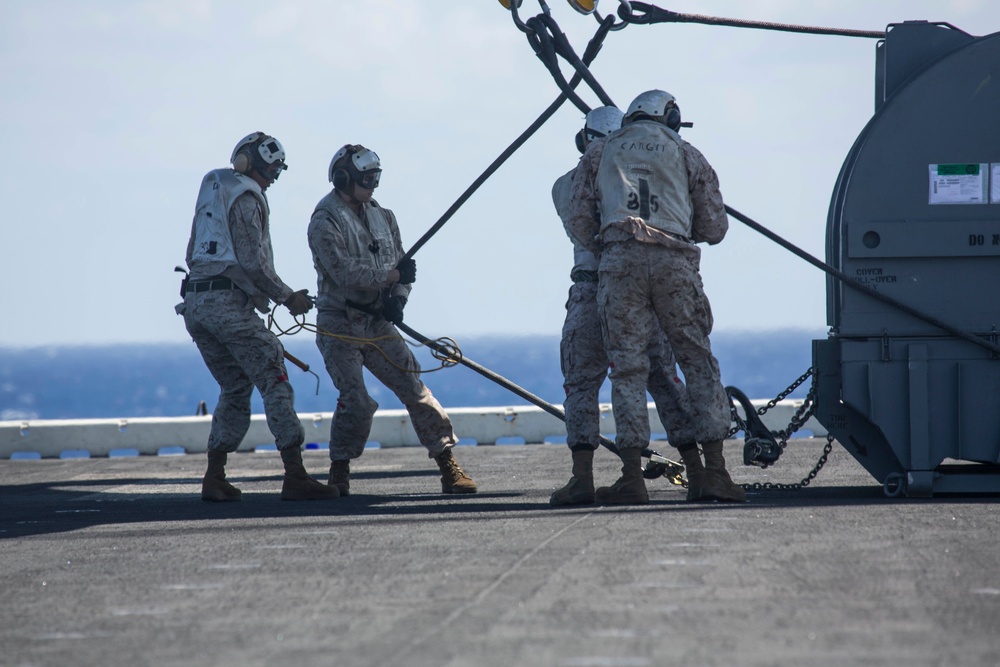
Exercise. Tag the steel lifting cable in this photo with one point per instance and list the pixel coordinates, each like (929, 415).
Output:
(865, 289)
(452, 355)
(649, 14)
(593, 48)
(450, 352)
(544, 48)
(643, 13)
(548, 41)
(445, 350)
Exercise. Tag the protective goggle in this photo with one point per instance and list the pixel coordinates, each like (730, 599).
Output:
(272, 171)
(370, 179)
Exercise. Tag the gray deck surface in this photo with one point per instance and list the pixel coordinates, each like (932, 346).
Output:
(118, 562)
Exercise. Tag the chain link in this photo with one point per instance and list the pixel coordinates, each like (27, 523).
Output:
(806, 481)
(801, 416)
(781, 396)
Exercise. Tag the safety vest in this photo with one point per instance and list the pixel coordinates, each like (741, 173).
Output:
(369, 241)
(212, 249)
(642, 174)
(583, 259)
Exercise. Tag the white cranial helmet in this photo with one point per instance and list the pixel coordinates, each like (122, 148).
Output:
(659, 105)
(602, 121)
(354, 163)
(260, 151)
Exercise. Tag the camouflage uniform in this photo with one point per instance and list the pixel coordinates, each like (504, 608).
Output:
(353, 256)
(650, 280)
(584, 359)
(237, 347)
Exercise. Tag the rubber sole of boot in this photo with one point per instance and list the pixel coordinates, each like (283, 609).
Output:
(458, 489)
(571, 501)
(313, 491)
(719, 488)
(221, 494)
(623, 500)
(221, 498)
(578, 491)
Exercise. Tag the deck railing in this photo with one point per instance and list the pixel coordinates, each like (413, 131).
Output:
(68, 438)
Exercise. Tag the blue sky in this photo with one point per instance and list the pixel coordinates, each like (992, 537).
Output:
(113, 110)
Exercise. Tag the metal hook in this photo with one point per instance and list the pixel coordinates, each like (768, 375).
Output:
(512, 5)
(658, 466)
(620, 24)
(760, 446)
(894, 485)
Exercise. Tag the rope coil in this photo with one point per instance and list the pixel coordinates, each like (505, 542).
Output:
(449, 355)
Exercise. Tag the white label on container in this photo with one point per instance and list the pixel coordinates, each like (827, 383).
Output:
(958, 183)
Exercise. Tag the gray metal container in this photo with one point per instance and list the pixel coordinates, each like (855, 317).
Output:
(915, 215)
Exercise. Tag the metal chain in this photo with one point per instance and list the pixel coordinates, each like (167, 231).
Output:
(798, 486)
(741, 425)
(801, 416)
(781, 396)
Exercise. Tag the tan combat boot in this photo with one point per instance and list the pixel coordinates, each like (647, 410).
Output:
(340, 476)
(630, 489)
(717, 484)
(214, 487)
(694, 470)
(580, 488)
(297, 485)
(453, 478)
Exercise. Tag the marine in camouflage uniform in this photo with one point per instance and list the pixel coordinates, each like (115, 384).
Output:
(584, 363)
(363, 286)
(232, 273)
(642, 200)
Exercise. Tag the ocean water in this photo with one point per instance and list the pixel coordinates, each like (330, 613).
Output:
(170, 380)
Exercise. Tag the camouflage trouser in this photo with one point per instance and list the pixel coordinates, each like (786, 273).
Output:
(584, 364)
(645, 287)
(241, 353)
(389, 359)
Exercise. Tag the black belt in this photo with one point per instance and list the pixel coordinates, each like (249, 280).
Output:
(373, 308)
(208, 285)
(581, 276)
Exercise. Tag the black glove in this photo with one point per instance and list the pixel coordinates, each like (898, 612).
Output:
(299, 303)
(407, 271)
(392, 309)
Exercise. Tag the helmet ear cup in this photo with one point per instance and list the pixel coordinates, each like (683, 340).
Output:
(341, 179)
(243, 162)
(673, 118)
(580, 144)
(243, 155)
